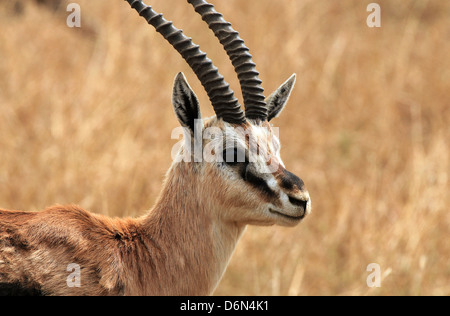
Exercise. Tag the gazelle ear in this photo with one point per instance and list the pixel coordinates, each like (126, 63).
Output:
(278, 99)
(185, 102)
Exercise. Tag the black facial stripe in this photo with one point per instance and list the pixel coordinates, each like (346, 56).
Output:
(259, 184)
(288, 180)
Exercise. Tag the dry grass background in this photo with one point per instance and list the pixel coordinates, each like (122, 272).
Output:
(85, 118)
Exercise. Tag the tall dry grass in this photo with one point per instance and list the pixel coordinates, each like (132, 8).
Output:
(86, 118)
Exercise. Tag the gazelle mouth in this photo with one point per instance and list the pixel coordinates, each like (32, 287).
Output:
(289, 217)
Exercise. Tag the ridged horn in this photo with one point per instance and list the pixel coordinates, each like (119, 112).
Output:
(252, 91)
(221, 96)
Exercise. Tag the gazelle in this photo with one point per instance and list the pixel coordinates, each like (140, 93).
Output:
(183, 244)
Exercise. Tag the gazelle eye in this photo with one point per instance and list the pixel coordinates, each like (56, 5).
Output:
(234, 156)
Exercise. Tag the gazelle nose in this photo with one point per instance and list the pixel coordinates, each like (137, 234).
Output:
(299, 202)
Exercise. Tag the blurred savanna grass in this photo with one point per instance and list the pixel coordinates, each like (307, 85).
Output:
(86, 119)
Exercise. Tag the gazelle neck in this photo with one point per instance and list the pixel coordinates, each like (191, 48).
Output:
(194, 241)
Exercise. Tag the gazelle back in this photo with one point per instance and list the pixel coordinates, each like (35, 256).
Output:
(226, 173)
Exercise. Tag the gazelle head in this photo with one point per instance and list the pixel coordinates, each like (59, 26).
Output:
(240, 163)
(235, 154)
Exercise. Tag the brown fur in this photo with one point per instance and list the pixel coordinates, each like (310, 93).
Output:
(170, 251)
